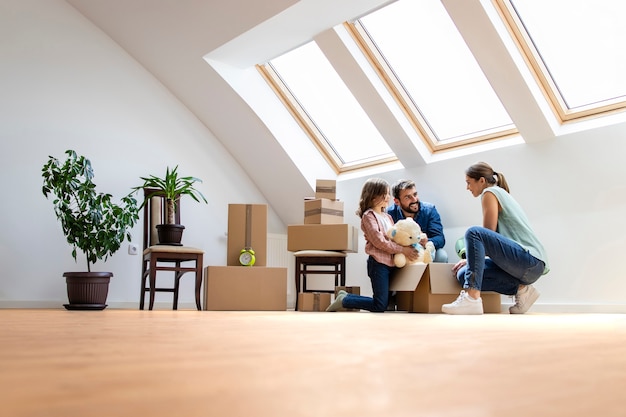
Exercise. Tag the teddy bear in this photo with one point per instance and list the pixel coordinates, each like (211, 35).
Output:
(407, 232)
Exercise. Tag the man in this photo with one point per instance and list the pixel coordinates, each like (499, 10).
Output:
(408, 205)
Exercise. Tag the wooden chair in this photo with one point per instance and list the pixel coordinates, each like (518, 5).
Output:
(176, 259)
(325, 263)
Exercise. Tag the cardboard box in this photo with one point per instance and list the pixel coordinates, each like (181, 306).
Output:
(349, 290)
(338, 237)
(323, 211)
(425, 288)
(245, 288)
(326, 189)
(247, 227)
(313, 301)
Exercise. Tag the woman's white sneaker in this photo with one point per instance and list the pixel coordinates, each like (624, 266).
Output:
(464, 304)
(524, 299)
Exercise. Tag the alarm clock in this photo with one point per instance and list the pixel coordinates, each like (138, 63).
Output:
(246, 257)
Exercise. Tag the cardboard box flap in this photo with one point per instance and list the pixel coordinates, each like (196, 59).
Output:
(407, 278)
(442, 280)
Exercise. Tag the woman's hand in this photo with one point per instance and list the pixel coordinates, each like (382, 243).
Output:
(411, 253)
(458, 266)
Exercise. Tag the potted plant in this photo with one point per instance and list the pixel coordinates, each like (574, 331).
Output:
(92, 223)
(171, 187)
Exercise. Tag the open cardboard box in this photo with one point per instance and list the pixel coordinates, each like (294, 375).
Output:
(424, 288)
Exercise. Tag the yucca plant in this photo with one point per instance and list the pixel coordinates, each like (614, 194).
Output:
(171, 187)
(91, 222)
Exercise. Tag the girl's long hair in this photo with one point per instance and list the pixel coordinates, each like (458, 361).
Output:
(372, 189)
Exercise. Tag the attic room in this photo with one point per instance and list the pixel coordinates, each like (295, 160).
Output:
(139, 85)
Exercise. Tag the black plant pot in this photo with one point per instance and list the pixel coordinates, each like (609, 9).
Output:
(87, 290)
(170, 234)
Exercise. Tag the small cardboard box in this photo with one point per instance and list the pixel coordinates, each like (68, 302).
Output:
(247, 227)
(245, 288)
(424, 288)
(326, 189)
(323, 211)
(313, 301)
(338, 237)
(349, 290)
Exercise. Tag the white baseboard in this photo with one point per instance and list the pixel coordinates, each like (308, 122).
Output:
(113, 305)
(536, 308)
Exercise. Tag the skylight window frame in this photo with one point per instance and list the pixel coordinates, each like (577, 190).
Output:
(308, 125)
(402, 97)
(542, 75)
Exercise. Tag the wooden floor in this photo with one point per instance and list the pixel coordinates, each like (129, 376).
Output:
(204, 363)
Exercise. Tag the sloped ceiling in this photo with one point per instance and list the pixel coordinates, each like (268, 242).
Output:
(169, 38)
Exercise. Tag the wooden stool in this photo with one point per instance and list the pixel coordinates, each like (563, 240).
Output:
(326, 263)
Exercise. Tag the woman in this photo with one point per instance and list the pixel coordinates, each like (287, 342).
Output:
(504, 255)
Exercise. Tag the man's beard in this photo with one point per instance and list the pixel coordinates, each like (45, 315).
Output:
(412, 208)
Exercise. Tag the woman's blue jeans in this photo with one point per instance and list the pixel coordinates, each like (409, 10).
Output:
(379, 276)
(507, 267)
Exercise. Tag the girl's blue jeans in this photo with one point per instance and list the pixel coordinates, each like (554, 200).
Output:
(507, 267)
(379, 276)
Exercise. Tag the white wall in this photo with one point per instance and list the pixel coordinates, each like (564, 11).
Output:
(66, 85)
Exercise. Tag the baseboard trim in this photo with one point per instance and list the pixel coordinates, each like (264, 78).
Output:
(113, 305)
(536, 308)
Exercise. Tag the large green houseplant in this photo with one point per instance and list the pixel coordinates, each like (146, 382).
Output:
(92, 223)
(171, 188)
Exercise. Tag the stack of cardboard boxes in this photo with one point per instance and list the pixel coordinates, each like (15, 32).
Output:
(323, 229)
(237, 287)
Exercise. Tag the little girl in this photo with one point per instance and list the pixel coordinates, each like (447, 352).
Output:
(375, 221)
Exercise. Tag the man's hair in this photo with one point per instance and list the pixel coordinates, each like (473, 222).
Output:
(402, 185)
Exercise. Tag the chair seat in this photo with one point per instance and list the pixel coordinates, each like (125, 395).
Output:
(319, 253)
(172, 249)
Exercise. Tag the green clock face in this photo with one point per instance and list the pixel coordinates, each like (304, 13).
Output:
(246, 257)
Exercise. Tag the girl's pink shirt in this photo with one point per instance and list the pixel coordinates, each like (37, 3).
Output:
(377, 243)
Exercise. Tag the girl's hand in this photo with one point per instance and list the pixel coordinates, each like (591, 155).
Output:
(458, 266)
(411, 253)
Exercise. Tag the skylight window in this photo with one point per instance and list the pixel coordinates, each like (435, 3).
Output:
(326, 108)
(443, 98)
(576, 50)
(433, 72)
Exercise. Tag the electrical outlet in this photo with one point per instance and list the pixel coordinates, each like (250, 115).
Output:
(132, 249)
